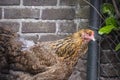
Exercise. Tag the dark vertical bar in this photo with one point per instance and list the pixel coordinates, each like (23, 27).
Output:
(92, 65)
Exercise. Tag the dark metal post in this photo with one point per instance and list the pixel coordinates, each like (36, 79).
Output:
(92, 65)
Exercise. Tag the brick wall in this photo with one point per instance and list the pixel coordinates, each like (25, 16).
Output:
(43, 19)
(109, 58)
(46, 20)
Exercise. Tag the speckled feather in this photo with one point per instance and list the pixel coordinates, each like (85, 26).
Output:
(52, 60)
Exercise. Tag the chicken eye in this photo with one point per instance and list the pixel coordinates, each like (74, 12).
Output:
(88, 33)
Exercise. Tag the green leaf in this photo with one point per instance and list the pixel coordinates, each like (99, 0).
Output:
(108, 8)
(106, 29)
(117, 47)
(111, 21)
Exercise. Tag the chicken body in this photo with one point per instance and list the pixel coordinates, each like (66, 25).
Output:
(52, 60)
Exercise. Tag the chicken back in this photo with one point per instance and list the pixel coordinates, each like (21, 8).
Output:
(53, 60)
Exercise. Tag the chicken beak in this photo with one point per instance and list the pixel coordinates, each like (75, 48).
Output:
(93, 38)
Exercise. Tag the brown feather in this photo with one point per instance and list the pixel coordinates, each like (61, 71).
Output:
(52, 60)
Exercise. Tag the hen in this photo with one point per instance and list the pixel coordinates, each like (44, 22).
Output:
(53, 60)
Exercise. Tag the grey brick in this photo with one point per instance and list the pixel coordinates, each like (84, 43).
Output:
(114, 78)
(67, 27)
(68, 2)
(51, 37)
(55, 14)
(82, 3)
(108, 56)
(14, 26)
(0, 13)
(81, 65)
(76, 75)
(106, 43)
(110, 70)
(83, 25)
(39, 2)
(83, 12)
(22, 13)
(9, 2)
(38, 27)
(32, 37)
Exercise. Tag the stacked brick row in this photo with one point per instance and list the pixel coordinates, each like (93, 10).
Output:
(48, 19)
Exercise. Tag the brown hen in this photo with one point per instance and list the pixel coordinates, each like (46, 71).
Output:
(52, 60)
